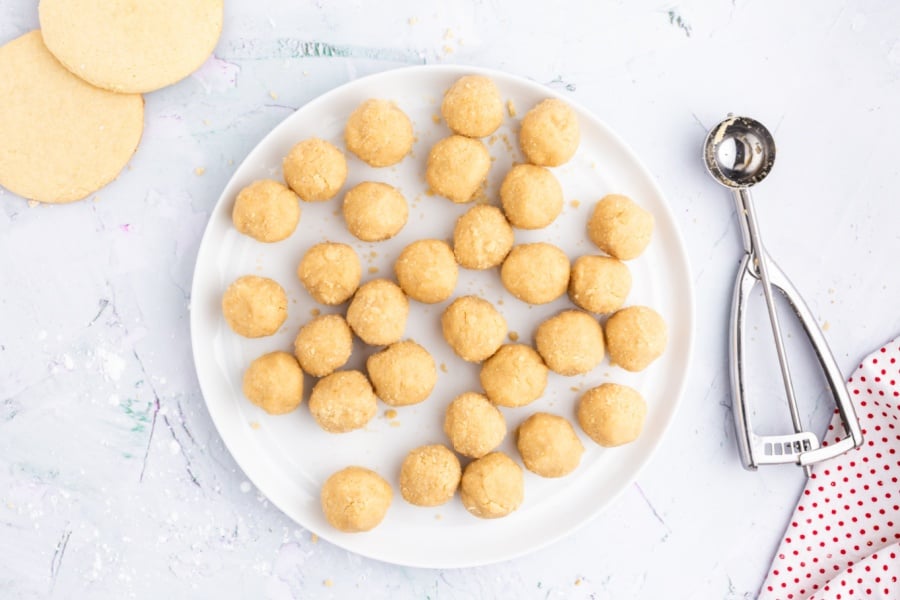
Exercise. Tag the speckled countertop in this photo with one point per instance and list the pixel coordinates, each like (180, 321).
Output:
(115, 484)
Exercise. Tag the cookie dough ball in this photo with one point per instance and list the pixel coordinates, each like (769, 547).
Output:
(482, 238)
(492, 486)
(315, 169)
(457, 167)
(599, 284)
(612, 414)
(473, 107)
(266, 211)
(429, 475)
(323, 345)
(549, 445)
(379, 133)
(549, 135)
(378, 311)
(402, 374)
(342, 402)
(531, 197)
(274, 382)
(536, 273)
(635, 337)
(571, 343)
(514, 376)
(355, 499)
(620, 227)
(375, 211)
(474, 425)
(254, 306)
(330, 272)
(473, 328)
(427, 271)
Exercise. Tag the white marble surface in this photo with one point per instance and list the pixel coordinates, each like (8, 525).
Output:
(113, 481)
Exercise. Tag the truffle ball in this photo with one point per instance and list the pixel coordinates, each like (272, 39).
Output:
(549, 445)
(330, 272)
(429, 475)
(612, 414)
(514, 376)
(254, 306)
(473, 328)
(378, 311)
(492, 486)
(342, 402)
(402, 374)
(375, 211)
(323, 345)
(482, 237)
(531, 197)
(571, 343)
(599, 284)
(315, 169)
(474, 425)
(457, 167)
(549, 135)
(266, 210)
(635, 337)
(355, 499)
(427, 271)
(379, 133)
(274, 382)
(620, 227)
(473, 106)
(536, 273)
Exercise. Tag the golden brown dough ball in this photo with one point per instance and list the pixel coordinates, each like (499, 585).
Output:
(482, 237)
(514, 376)
(536, 273)
(427, 271)
(429, 475)
(612, 414)
(355, 499)
(330, 272)
(571, 343)
(254, 306)
(457, 167)
(620, 227)
(635, 337)
(342, 402)
(323, 345)
(549, 135)
(492, 486)
(472, 106)
(378, 311)
(315, 169)
(375, 211)
(474, 425)
(402, 374)
(266, 211)
(274, 382)
(379, 133)
(473, 328)
(549, 445)
(599, 284)
(531, 197)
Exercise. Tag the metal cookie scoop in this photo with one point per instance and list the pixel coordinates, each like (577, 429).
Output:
(739, 152)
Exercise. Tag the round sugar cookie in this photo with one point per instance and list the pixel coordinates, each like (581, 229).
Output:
(61, 139)
(128, 46)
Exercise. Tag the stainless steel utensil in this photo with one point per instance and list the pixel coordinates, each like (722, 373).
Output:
(739, 153)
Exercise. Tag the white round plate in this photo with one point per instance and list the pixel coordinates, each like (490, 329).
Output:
(289, 457)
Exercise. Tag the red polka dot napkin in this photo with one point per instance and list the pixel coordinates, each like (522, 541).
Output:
(843, 540)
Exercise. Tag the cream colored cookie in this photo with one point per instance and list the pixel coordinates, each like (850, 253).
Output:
(379, 133)
(599, 284)
(514, 376)
(315, 169)
(402, 374)
(131, 46)
(473, 106)
(254, 306)
(274, 382)
(473, 328)
(571, 343)
(342, 402)
(457, 168)
(323, 345)
(474, 425)
(550, 135)
(378, 312)
(535, 273)
(61, 139)
(482, 237)
(620, 227)
(612, 414)
(492, 486)
(355, 499)
(375, 211)
(266, 210)
(531, 197)
(427, 271)
(429, 475)
(330, 272)
(635, 337)
(549, 445)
